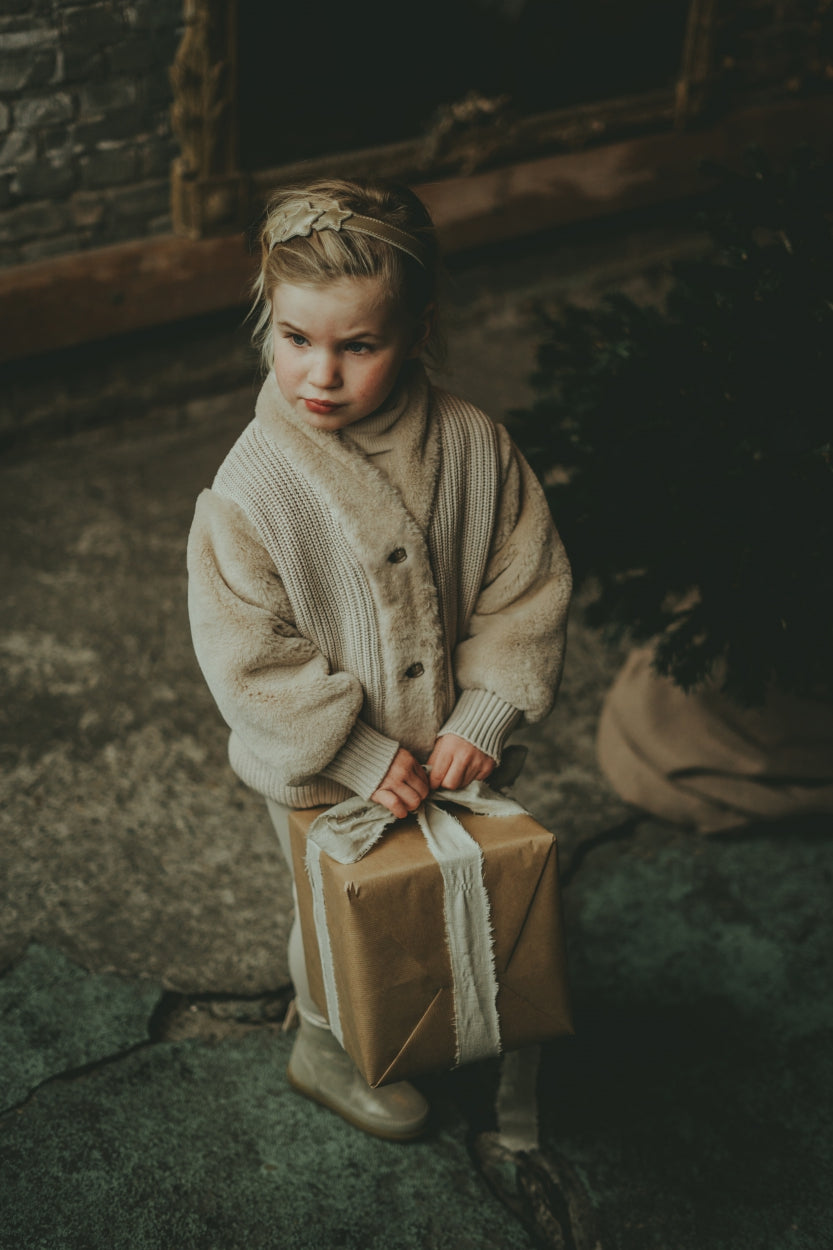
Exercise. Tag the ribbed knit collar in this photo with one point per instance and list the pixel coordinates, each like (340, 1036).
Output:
(377, 433)
(398, 444)
(395, 444)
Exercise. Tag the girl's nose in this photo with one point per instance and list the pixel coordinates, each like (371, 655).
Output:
(324, 371)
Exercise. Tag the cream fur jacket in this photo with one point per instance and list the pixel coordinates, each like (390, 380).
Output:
(337, 616)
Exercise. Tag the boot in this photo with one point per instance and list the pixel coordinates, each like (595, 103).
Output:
(322, 1070)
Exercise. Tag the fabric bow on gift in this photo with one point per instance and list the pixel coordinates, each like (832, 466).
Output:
(349, 830)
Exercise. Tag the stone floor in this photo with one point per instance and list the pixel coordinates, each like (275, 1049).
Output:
(145, 906)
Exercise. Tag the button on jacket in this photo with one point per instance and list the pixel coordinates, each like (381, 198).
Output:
(339, 611)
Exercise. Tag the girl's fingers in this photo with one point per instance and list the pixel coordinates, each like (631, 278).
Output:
(403, 788)
(410, 792)
(406, 770)
(406, 784)
(474, 772)
(455, 776)
(486, 769)
(440, 759)
(386, 798)
(454, 764)
(464, 763)
(418, 781)
(438, 772)
(409, 796)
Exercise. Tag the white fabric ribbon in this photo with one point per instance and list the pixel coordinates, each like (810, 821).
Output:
(349, 830)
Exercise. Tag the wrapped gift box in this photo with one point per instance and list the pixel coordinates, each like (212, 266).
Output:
(390, 956)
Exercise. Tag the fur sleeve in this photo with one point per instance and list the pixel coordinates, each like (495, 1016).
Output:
(272, 686)
(516, 636)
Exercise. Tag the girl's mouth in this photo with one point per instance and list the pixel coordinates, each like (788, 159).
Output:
(320, 406)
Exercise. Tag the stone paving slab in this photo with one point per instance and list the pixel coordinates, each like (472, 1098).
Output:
(187, 1146)
(55, 1016)
(695, 1099)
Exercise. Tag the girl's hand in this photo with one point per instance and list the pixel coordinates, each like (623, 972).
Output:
(404, 786)
(455, 762)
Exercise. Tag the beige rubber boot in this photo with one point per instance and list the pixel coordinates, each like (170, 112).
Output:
(322, 1070)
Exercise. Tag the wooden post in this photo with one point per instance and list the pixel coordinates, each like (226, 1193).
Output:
(209, 193)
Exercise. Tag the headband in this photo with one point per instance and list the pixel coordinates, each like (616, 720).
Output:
(300, 221)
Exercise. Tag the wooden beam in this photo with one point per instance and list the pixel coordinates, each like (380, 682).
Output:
(543, 194)
(93, 295)
(447, 153)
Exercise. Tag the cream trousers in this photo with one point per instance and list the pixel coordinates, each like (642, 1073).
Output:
(297, 964)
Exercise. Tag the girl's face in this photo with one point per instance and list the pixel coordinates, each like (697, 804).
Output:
(339, 348)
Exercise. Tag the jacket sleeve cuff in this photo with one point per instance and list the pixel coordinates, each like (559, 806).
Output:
(363, 760)
(483, 719)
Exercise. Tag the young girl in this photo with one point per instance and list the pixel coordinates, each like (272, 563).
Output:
(378, 596)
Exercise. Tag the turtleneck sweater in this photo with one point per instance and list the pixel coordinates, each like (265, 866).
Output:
(378, 438)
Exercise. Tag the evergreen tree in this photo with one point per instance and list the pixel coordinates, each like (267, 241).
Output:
(688, 449)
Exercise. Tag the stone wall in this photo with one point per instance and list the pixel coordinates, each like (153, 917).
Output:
(85, 134)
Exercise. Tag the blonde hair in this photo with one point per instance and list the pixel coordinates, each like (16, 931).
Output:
(329, 255)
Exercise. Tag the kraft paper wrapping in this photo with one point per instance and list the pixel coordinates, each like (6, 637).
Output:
(385, 916)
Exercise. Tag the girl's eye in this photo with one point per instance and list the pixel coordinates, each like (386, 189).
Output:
(358, 349)
(297, 339)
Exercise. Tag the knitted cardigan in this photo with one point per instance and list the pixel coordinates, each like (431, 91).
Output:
(333, 624)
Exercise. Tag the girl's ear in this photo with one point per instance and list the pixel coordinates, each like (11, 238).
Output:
(424, 327)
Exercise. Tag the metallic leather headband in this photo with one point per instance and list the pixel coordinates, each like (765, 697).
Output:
(302, 219)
